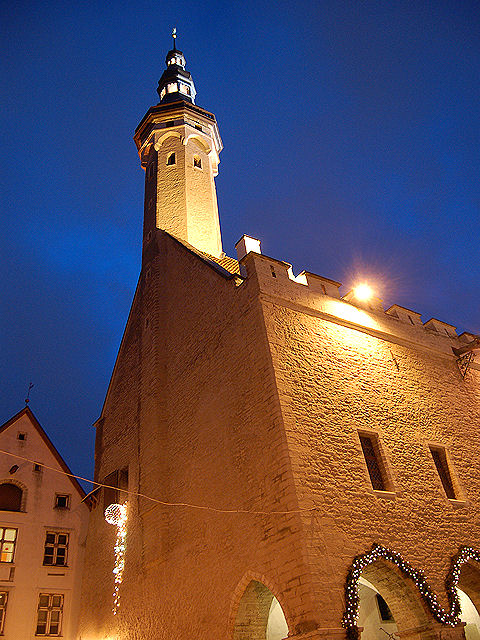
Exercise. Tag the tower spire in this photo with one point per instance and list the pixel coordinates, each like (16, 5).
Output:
(176, 83)
(179, 146)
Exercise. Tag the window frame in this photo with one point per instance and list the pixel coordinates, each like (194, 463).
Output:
(3, 541)
(56, 545)
(62, 495)
(387, 489)
(22, 496)
(447, 469)
(50, 608)
(3, 609)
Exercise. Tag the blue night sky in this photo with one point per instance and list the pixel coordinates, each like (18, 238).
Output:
(352, 149)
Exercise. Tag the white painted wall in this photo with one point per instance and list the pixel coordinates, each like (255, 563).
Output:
(39, 516)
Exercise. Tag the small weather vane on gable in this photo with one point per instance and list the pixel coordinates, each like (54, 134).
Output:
(27, 399)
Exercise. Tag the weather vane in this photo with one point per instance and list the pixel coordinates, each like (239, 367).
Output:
(30, 387)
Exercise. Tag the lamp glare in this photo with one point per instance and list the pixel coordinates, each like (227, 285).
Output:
(363, 292)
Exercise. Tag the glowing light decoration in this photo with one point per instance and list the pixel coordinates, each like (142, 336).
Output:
(450, 618)
(116, 514)
(363, 292)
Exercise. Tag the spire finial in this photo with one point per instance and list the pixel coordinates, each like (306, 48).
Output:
(174, 36)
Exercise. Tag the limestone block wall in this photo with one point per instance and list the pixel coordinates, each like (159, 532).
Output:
(341, 370)
(193, 411)
(250, 397)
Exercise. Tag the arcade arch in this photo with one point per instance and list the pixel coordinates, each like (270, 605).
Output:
(259, 615)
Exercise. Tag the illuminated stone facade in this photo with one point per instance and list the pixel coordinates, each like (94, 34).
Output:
(242, 388)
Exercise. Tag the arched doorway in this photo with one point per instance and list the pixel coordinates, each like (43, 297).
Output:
(259, 615)
(470, 616)
(374, 614)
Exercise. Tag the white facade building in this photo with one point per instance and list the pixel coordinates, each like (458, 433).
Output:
(43, 523)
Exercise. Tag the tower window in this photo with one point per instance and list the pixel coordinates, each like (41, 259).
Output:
(374, 464)
(172, 87)
(162, 93)
(171, 160)
(21, 436)
(439, 456)
(197, 162)
(185, 89)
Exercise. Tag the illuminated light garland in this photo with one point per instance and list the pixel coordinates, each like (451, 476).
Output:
(450, 618)
(116, 514)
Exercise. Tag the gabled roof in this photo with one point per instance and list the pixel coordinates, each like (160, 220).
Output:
(26, 411)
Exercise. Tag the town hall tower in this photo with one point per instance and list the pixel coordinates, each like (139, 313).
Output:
(277, 458)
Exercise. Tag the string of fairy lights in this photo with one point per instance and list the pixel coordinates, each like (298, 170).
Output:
(450, 618)
(117, 515)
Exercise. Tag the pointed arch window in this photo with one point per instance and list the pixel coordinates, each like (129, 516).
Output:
(171, 160)
(10, 497)
(197, 162)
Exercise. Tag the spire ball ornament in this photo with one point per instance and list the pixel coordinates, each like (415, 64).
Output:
(114, 513)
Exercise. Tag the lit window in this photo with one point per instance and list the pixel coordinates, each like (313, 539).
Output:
(162, 93)
(56, 547)
(3, 609)
(373, 461)
(171, 159)
(49, 614)
(439, 456)
(172, 87)
(10, 497)
(62, 501)
(197, 162)
(185, 89)
(8, 539)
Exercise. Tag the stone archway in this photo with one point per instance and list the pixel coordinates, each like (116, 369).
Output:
(469, 586)
(401, 595)
(259, 615)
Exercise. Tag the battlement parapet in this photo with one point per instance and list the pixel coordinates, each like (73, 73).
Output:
(317, 295)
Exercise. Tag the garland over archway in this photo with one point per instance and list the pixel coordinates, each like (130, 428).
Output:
(378, 552)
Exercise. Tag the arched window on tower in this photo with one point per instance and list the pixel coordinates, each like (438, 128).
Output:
(10, 497)
(197, 162)
(171, 159)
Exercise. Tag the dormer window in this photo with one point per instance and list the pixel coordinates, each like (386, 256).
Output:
(171, 160)
(197, 162)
